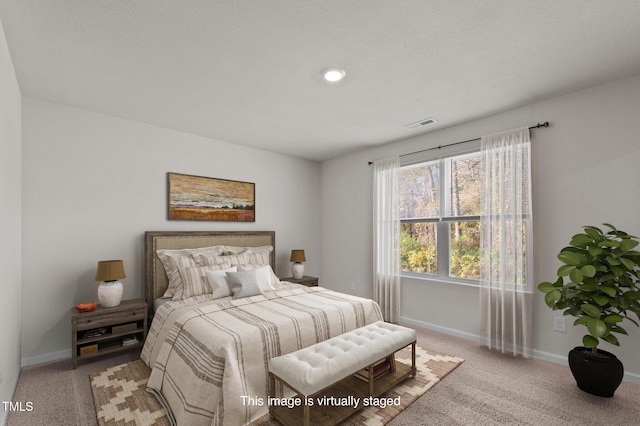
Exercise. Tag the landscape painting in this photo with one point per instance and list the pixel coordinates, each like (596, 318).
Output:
(204, 198)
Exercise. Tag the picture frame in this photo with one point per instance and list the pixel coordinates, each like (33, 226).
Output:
(193, 197)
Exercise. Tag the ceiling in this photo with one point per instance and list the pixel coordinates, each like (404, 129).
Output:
(248, 71)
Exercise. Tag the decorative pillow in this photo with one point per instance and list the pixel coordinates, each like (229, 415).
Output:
(218, 281)
(243, 284)
(167, 257)
(195, 281)
(268, 279)
(248, 250)
(234, 259)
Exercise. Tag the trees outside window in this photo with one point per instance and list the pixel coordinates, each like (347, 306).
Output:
(440, 217)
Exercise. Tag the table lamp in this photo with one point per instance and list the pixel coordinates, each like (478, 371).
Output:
(110, 289)
(297, 268)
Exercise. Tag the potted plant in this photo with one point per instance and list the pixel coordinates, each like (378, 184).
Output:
(601, 290)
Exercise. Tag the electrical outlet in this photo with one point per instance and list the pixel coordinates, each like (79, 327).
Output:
(560, 324)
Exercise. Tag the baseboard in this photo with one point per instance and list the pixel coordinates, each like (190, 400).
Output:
(441, 329)
(547, 356)
(49, 357)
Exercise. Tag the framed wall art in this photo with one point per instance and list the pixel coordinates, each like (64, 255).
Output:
(205, 198)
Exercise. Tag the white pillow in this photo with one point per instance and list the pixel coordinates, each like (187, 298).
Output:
(169, 257)
(218, 281)
(194, 280)
(244, 284)
(267, 280)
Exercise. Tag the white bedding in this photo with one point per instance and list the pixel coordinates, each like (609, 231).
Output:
(209, 356)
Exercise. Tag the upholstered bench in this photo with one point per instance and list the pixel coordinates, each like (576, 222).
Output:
(327, 369)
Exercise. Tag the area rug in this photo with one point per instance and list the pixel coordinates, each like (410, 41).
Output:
(120, 395)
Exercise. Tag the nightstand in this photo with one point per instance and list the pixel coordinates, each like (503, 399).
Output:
(308, 281)
(108, 330)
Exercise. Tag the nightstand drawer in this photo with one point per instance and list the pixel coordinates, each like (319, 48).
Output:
(108, 318)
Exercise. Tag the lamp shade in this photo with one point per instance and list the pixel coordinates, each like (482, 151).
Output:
(110, 270)
(297, 256)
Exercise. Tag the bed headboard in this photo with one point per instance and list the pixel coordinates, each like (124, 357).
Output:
(155, 278)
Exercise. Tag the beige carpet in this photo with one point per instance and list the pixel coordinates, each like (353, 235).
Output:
(120, 396)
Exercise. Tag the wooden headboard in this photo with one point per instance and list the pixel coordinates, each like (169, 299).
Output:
(155, 278)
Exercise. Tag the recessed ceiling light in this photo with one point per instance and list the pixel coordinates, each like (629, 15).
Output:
(333, 75)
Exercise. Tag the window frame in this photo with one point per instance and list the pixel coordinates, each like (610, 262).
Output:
(443, 230)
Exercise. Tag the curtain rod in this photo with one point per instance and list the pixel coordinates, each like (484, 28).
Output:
(537, 126)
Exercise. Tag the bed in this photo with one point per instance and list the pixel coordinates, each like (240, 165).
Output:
(209, 357)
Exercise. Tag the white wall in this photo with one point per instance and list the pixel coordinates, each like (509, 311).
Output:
(92, 184)
(586, 169)
(10, 224)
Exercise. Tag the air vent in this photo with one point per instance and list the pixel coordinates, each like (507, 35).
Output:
(420, 123)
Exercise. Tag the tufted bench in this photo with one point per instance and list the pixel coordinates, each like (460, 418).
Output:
(320, 367)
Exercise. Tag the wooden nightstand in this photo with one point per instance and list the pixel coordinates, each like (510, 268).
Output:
(308, 281)
(108, 330)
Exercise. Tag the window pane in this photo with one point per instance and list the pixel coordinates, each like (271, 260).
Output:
(418, 248)
(464, 249)
(466, 185)
(420, 191)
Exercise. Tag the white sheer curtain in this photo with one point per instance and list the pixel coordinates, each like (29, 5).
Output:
(506, 297)
(386, 237)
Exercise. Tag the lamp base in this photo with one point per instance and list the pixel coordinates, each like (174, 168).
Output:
(297, 270)
(110, 293)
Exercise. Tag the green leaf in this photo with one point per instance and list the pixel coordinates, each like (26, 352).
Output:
(597, 327)
(610, 243)
(609, 291)
(627, 245)
(613, 318)
(595, 251)
(570, 258)
(581, 321)
(606, 277)
(589, 341)
(629, 264)
(612, 339)
(552, 297)
(617, 271)
(589, 287)
(588, 271)
(581, 240)
(591, 310)
(632, 295)
(601, 300)
(546, 287)
(576, 276)
(618, 329)
(565, 270)
(593, 232)
(612, 261)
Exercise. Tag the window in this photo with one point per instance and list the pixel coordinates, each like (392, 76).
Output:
(440, 217)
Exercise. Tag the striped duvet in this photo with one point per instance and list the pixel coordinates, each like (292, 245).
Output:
(208, 357)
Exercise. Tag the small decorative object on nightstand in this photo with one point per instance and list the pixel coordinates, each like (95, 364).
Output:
(308, 281)
(297, 269)
(108, 330)
(110, 289)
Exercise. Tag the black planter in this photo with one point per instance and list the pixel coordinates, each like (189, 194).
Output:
(596, 374)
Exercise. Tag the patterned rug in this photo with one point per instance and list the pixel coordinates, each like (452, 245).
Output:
(121, 398)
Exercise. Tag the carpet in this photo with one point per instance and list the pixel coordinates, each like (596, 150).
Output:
(120, 395)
